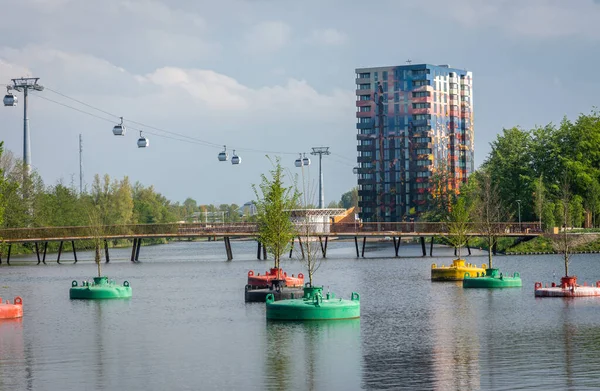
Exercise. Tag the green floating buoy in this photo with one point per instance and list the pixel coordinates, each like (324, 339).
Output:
(100, 288)
(492, 279)
(313, 306)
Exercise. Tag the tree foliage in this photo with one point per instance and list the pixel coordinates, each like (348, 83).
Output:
(458, 223)
(530, 166)
(274, 202)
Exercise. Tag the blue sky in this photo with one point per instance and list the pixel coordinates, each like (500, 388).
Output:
(271, 75)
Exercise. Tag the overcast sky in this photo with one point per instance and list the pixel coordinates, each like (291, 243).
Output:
(271, 75)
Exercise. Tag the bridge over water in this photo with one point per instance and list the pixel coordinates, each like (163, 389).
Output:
(40, 236)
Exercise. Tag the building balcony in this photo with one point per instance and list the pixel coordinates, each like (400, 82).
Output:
(362, 103)
(364, 114)
(422, 99)
(364, 148)
(421, 122)
(364, 125)
(368, 91)
(365, 159)
(363, 80)
(465, 92)
(365, 136)
(453, 91)
(422, 111)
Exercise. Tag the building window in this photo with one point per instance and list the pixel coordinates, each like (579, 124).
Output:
(364, 97)
(385, 75)
(364, 120)
(421, 94)
(423, 163)
(364, 75)
(420, 117)
(424, 105)
(423, 139)
(420, 83)
(364, 109)
(396, 96)
(396, 107)
(364, 86)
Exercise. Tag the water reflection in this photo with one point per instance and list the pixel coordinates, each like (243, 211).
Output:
(313, 355)
(455, 345)
(12, 354)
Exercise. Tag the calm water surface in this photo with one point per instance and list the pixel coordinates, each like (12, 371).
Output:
(187, 326)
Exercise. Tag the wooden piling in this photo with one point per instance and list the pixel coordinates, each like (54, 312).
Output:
(106, 251)
(60, 246)
(74, 252)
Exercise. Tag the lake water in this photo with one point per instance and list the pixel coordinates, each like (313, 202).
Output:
(187, 326)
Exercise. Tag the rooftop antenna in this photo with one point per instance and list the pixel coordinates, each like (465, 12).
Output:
(409, 61)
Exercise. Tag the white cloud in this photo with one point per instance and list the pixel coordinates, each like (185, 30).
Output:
(328, 36)
(267, 37)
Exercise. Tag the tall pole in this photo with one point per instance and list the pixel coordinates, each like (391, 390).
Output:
(321, 151)
(80, 165)
(24, 84)
(26, 142)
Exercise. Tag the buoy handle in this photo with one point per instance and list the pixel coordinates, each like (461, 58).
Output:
(355, 296)
(270, 298)
(18, 300)
(74, 283)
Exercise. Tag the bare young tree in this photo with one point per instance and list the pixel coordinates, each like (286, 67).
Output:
(310, 252)
(96, 233)
(489, 212)
(564, 242)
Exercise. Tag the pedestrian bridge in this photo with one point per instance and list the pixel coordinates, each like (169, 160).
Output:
(194, 230)
(318, 230)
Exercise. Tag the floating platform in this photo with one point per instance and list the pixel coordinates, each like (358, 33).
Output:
(568, 288)
(256, 281)
(313, 306)
(260, 295)
(11, 311)
(100, 288)
(492, 279)
(456, 271)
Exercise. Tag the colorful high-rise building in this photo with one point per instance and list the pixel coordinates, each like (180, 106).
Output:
(413, 121)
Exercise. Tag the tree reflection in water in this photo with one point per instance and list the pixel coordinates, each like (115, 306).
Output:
(313, 355)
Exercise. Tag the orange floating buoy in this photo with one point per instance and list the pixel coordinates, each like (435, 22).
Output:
(10, 311)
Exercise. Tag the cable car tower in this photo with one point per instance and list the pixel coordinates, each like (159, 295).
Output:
(23, 85)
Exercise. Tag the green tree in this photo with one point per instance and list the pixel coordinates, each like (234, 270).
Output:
(509, 163)
(548, 217)
(350, 199)
(274, 202)
(592, 200)
(539, 197)
(458, 224)
(576, 211)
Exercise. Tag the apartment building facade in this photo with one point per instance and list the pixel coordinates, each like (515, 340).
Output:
(412, 121)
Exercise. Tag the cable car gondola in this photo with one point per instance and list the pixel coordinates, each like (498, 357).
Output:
(119, 130)
(10, 99)
(223, 156)
(305, 161)
(143, 142)
(235, 159)
(298, 162)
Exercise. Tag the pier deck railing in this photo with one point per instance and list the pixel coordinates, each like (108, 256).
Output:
(130, 231)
